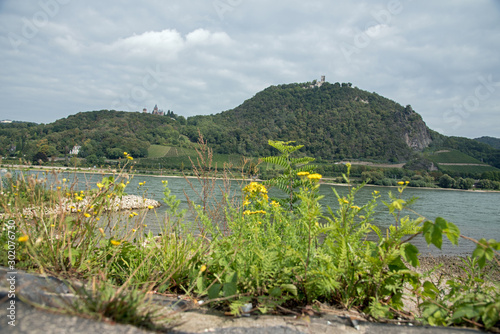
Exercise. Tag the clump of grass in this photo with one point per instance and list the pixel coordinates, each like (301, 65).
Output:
(105, 302)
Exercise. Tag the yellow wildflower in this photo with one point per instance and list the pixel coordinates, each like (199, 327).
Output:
(376, 192)
(343, 201)
(131, 215)
(248, 212)
(79, 210)
(134, 230)
(406, 182)
(203, 268)
(302, 173)
(135, 213)
(98, 218)
(52, 225)
(275, 204)
(64, 180)
(87, 215)
(401, 183)
(129, 157)
(355, 207)
(150, 207)
(24, 238)
(115, 242)
(100, 185)
(58, 188)
(125, 153)
(245, 203)
(315, 176)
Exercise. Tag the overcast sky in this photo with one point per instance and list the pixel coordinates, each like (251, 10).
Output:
(60, 57)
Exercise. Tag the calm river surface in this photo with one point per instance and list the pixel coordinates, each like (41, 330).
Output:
(477, 214)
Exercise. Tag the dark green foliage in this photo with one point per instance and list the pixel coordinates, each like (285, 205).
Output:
(493, 142)
(446, 181)
(101, 133)
(332, 121)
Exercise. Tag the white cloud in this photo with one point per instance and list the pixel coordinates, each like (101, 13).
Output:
(89, 55)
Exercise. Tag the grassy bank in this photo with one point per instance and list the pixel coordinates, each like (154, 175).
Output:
(248, 249)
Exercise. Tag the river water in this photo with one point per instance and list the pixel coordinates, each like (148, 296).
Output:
(477, 214)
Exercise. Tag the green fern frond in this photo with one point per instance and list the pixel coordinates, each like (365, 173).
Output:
(301, 161)
(280, 161)
(284, 147)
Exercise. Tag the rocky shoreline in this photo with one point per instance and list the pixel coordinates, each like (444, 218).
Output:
(452, 267)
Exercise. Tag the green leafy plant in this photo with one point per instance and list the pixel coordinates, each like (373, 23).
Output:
(288, 181)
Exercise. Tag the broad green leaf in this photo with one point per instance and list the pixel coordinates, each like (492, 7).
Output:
(427, 231)
(200, 285)
(437, 232)
(467, 311)
(229, 289)
(430, 290)
(214, 290)
(275, 292)
(411, 255)
(441, 223)
(480, 255)
(453, 233)
(290, 288)
(491, 315)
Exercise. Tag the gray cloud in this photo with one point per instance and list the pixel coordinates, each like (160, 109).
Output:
(60, 57)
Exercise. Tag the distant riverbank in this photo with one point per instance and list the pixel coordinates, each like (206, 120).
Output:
(110, 171)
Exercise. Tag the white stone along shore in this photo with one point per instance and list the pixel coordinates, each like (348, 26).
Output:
(127, 202)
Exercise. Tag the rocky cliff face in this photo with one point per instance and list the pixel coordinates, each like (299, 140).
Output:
(415, 131)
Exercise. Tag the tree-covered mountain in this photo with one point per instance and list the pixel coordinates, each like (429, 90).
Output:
(333, 122)
(493, 142)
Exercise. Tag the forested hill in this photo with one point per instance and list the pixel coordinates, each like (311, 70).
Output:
(493, 142)
(105, 133)
(333, 121)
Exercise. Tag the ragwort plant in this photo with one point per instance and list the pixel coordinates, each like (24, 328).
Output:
(274, 256)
